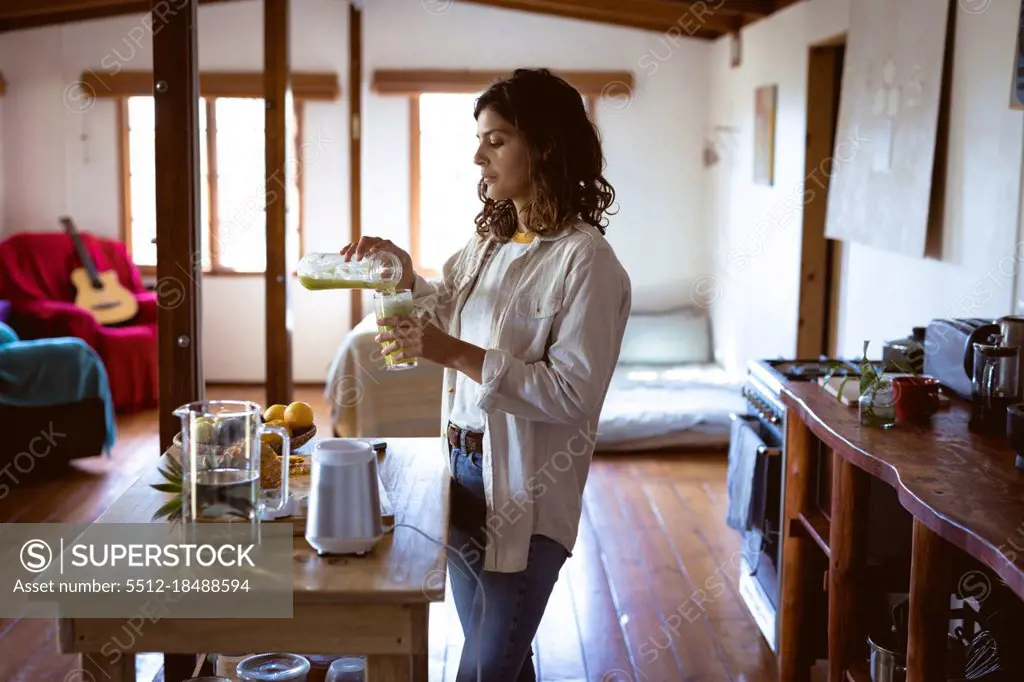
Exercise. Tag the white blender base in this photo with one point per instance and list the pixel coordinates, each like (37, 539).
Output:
(342, 545)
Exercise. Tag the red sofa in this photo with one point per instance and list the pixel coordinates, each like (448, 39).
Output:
(35, 276)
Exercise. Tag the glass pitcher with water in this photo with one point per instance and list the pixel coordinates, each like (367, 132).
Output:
(221, 450)
(995, 384)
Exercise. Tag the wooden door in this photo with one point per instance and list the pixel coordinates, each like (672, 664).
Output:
(820, 259)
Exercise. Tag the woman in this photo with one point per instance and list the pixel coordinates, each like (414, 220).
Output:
(527, 319)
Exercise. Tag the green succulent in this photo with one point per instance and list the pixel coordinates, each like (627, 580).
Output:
(175, 476)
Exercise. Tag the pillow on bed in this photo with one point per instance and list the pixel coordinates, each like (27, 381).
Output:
(676, 337)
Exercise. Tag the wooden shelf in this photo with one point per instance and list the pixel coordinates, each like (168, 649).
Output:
(924, 464)
(817, 527)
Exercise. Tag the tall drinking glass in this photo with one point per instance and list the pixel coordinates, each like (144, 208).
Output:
(221, 447)
(396, 304)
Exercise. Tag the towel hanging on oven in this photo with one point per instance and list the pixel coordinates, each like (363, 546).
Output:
(744, 471)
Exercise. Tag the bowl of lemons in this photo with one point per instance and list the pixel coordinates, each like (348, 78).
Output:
(296, 417)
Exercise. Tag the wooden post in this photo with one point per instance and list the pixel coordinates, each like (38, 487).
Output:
(928, 617)
(793, 649)
(179, 255)
(179, 265)
(355, 112)
(278, 100)
(847, 563)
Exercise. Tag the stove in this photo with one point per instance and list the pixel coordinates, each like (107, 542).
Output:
(760, 574)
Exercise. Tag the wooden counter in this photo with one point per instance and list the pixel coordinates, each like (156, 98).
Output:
(961, 489)
(375, 605)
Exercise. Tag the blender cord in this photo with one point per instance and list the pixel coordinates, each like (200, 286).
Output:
(480, 585)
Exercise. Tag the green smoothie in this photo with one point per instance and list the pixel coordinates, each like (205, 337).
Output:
(327, 282)
(393, 305)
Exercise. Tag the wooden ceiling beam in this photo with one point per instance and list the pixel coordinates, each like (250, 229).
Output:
(756, 8)
(696, 19)
(20, 14)
(408, 82)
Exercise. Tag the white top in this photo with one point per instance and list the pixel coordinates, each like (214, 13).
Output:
(556, 330)
(475, 328)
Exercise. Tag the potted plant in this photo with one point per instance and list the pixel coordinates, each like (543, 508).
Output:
(876, 403)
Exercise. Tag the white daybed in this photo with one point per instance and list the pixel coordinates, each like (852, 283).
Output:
(666, 393)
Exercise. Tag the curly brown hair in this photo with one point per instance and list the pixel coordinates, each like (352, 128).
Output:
(567, 182)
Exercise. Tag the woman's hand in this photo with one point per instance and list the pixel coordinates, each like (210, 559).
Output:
(414, 337)
(367, 245)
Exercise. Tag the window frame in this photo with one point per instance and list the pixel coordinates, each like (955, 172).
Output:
(415, 170)
(213, 219)
(305, 86)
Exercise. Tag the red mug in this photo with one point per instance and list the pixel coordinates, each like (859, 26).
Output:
(917, 398)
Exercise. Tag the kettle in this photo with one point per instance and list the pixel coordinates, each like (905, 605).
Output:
(344, 512)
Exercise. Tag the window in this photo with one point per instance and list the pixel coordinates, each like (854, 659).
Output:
(447, 178)
(233, 190)
(443, 176)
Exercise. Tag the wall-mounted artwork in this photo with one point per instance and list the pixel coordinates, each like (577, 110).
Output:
(881, 191)
(765, 99)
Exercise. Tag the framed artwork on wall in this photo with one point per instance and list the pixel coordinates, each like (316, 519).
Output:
(765, 100)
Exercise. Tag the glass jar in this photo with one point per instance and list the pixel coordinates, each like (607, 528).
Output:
(877, 405)
(347, 669)
(379, 270)
(273, 668)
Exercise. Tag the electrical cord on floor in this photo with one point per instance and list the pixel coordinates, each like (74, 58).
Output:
(480, 585)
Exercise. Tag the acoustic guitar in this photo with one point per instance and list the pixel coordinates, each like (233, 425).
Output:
(99, 292)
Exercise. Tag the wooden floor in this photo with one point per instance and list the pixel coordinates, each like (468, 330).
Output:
(649, 594)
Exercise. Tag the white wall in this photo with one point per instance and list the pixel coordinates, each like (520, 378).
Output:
(60, 160)
(652, 140)
(883, 294)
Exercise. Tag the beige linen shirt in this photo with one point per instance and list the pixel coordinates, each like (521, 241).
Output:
(557, 327)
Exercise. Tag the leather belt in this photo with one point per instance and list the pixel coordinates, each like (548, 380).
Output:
(474, 439)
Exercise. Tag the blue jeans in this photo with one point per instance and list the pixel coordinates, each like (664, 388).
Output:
(514, 603)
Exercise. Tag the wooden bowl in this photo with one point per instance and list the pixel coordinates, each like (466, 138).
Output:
(299, 439)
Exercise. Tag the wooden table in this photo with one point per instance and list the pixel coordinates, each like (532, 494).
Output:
(966, 499)
(375, 605)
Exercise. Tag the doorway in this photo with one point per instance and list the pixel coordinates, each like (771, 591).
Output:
(820, 257)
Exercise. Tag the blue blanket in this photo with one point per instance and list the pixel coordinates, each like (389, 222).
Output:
(54, 372)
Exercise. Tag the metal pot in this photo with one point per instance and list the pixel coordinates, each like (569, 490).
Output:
(887, 665)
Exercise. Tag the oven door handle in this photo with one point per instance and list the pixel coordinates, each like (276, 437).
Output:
(765, 451)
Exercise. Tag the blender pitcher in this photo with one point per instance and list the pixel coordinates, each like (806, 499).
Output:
(379, 270)
(221, 447)
(995, 384)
